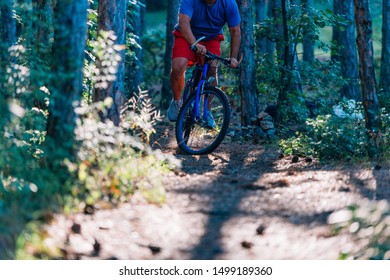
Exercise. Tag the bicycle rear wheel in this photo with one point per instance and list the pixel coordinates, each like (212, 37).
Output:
(195, 135)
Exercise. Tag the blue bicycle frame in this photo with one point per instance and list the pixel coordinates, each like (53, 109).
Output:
(199, 90)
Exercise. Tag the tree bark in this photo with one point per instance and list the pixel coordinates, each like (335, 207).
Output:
(261, 11)
(172, 16)
(134, 74)
(7, 39)
(42, 26)
(290, 82)
(7, 25)
(335, 33)
(67, 64)
(347, 50)
(247, 85)
(385, 59)
(277, 14)
(112, 17)
(308, 46)
(7, 32)
(367, 71)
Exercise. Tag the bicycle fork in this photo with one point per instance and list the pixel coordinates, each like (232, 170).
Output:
(199, 90)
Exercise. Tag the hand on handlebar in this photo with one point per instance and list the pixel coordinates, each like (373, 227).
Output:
(200, 49)
(233, 62)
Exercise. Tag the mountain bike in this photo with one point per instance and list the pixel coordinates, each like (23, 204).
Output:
(195, 134)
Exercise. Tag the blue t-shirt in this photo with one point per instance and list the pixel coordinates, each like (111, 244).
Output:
(209, 20)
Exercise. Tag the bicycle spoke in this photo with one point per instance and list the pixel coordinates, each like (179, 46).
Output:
(197, 135)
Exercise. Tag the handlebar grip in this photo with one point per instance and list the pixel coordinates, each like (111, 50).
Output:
(193, 48)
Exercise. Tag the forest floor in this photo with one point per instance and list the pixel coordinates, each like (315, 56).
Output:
(244, 201)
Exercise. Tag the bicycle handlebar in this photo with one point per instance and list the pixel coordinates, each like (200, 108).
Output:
(211, 55)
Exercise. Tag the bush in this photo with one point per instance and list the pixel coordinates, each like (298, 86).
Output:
(111, 163)
(331, 137)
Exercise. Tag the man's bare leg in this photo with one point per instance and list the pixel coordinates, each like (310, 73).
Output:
(179, 67)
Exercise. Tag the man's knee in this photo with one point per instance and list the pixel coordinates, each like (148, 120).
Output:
(179, 66)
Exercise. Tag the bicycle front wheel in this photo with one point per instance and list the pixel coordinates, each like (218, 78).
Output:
(203, 132)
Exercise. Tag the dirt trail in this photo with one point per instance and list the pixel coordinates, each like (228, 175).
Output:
(241, 202)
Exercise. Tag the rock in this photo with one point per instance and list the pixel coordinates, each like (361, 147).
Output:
(267, 123)
(79, 245)
(89, 209)
(259, 135)
(295, 159)
(246, 244)
(76, 228)
(154, 249)
(96, 248)
(260, 230)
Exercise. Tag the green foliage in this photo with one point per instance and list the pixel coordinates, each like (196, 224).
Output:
(320, 79)
(141, 116)
(331, 137)
(153, 43)
(111, 164)
(369, 223)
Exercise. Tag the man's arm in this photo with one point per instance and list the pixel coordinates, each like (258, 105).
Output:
(235, 34)
(185, 29)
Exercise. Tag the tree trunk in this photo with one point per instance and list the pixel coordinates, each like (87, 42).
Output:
(42, 26)
(67, 64)
(7, 39)
(367, 71)
(172, 16)
(308, 46)
(385, 60)
(112, 17)
(134, 75)
(277, 14)
(335, 33)
(247, 85)
(347, 52)
(261, 11)
(7, 32)
(290, 82)
(7, 25)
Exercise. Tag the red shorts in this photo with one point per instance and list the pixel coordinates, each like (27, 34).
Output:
(181, 48)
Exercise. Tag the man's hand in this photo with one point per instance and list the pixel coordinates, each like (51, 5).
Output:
(200, 49)
(233, 62)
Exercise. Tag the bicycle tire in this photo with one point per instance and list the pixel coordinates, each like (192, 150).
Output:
(187, 127)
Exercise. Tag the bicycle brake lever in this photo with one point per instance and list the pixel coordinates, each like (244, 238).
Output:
(193, 46)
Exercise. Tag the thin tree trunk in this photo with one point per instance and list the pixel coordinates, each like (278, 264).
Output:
(287, 62)
(134, 74)
(290, 82)
(172, 16)
(347, 51)
(308, 46)
(277, 14)
(7, 25)
(7, 39)
(385, 60)
(42, 26)
(66, 85)
(336, 32)
(112, 17)
(247, 85)
(7, 32)
(261, 11)
(367, 71)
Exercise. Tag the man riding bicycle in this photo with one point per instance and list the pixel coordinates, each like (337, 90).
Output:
(199, 18)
